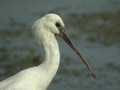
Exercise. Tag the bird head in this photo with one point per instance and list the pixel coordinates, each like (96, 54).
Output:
(47, 27)
(53, 23)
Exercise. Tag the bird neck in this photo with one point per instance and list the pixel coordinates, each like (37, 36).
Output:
(52, 54)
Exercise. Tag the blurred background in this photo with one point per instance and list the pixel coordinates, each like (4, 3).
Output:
(93, 26)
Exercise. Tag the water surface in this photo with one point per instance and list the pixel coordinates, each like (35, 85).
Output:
(93, 26)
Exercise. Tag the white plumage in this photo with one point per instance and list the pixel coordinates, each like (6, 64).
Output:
(39, 77)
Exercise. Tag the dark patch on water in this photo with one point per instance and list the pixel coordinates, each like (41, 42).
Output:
(100, 27)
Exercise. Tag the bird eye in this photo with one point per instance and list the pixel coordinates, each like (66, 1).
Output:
(57, 24)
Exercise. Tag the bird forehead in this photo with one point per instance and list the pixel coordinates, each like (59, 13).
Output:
(54, 18)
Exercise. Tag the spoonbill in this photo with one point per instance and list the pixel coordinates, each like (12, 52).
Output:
(39, 77)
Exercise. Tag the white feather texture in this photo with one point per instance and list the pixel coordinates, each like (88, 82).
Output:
(39, 77)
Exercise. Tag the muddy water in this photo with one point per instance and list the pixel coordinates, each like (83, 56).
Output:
(94, 28)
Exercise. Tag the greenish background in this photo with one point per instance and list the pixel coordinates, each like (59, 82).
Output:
(93, 26)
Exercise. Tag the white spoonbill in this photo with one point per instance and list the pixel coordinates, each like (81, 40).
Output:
(39, 77)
